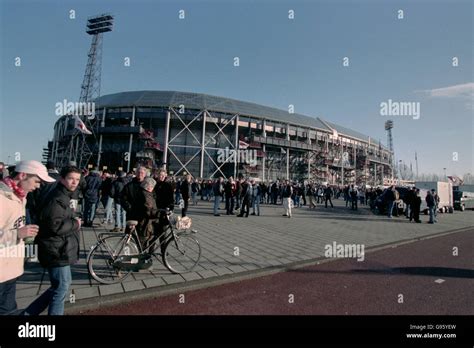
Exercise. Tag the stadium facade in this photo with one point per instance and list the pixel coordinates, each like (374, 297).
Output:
(188, 132)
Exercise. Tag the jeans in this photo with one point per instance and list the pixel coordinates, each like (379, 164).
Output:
(390, 208)
(8, 297)
(193, 195)
(120, 216)
(432, 214)
(217, 200)
(108, 209)
(256, 204)
(90, 209)
(229, 203)
(177, 197)
(54, 297)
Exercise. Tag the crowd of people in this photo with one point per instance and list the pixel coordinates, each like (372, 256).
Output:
(46, 207)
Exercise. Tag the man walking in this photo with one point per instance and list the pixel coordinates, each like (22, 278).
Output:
(328, 194)
(245, 196)
(58, 243)
(131, 195)
(26, 178)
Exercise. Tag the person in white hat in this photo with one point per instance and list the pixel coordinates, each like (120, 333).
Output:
(26, 178)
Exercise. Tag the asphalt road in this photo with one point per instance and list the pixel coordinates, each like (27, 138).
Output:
(419, 278)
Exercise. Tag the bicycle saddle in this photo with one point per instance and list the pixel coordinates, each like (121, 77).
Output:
(132, 222)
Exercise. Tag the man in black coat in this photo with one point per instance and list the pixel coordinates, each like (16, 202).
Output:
(58, 243)
(164, 200)
(245, 198)
(229, 189)
(132, 195)
(415, 210)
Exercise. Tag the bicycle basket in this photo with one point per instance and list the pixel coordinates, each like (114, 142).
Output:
(183, 223)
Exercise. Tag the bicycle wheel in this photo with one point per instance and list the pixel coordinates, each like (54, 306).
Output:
(182, 253)
(101, 259)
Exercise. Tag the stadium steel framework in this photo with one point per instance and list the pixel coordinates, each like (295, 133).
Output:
(184, 132)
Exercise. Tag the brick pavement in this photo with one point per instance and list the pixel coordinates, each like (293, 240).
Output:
(265, 241)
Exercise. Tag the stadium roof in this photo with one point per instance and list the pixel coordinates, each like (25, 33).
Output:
(220, 104)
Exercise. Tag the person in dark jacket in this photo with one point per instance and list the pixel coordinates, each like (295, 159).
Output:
(116, 192)
(91, 197)
(58, 243)
(390, 199)
(36, 199)
(186, 193)
(229, 190)
(245, 198)
(132, 194)
(328, 193)
(431, 203)
(415, 209)
(148, 211)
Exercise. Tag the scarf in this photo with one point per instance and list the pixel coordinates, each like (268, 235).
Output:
(18, 191)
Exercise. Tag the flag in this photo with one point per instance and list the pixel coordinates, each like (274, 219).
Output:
(243, 144)
(78, 124)
(282, 150)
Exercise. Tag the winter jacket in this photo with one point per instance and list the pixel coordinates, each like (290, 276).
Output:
(217, 189)
(430, 201)
(117, 188)
(164, 195)
(185, 189)
(12, 217)
(94, 183)
(390, 195)
(129, 199)
(58, 238)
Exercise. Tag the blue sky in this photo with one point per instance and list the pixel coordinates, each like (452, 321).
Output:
(282, 62)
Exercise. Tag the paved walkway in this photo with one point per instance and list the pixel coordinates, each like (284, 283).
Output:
(263, 242)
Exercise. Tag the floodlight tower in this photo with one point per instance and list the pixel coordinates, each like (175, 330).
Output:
(388, 128)
(79, 150)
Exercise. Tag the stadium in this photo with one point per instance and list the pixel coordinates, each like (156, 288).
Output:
(186, 133)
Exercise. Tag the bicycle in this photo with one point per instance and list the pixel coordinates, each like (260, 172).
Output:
(114, 257)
